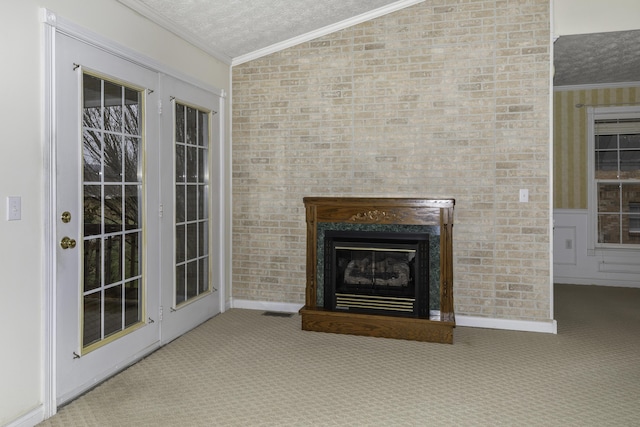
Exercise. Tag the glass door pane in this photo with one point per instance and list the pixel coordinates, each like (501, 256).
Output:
(112, 203)
(191, 202)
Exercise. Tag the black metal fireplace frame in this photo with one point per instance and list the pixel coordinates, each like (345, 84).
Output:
(417, 296)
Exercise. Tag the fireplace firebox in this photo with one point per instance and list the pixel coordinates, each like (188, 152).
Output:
(380, 267)
(377, 272)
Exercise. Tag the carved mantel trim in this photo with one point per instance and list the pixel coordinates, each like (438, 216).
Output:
(376, 216)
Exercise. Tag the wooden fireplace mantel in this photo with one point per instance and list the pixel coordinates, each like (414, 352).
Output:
(409, 211)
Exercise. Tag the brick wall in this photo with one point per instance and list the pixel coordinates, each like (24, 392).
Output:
(442, 99)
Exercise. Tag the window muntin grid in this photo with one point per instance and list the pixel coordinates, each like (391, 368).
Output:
(617, 179)
(112, 186)
(192, 141)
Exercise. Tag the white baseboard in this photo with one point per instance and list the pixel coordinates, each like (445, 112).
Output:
(29, 419)
(550, 327)
(470, 321)
(597, 282)
(283, 307)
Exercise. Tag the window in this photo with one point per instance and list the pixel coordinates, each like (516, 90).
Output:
(192, 142)
(615, 176)
(112, 141)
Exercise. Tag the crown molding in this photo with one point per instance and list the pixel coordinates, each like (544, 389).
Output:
(618, 85)
(376, 13)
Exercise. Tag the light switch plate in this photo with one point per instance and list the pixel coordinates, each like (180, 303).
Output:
(14, 208)
(524, 195)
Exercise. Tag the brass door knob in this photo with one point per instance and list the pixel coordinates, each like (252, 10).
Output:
(67, 243)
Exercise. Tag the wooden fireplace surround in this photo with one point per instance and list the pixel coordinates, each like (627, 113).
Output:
(381, 211)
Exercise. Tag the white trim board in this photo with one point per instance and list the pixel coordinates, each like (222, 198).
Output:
(469, 321)
(30, 419)
(550, 327)
(48, 135)
(283, 307)
(594, 281)
(595, 86)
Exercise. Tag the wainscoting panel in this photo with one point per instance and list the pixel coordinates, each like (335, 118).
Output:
(572, 264)
(564, 245)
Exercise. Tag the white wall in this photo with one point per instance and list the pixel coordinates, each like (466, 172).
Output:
(20, 241)
(594, 16)
(22, 172)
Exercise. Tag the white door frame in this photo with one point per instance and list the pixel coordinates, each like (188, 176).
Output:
(54, 24)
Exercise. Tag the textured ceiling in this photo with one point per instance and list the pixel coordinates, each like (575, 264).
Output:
(597, 58)
(240, 30)
(236, 28)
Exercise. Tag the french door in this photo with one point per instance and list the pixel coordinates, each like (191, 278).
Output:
(134, 213)
(191, 239)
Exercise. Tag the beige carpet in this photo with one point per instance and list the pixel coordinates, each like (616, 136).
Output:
(246, 369)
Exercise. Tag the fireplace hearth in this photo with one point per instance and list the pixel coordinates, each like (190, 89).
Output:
(380, 267)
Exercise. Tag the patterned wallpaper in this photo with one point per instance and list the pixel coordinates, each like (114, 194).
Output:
(570, 140)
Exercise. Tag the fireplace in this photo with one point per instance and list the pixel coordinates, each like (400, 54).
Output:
(377, 272)
(380, 267)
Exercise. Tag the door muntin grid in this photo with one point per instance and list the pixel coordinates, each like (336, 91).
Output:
(192, 260)
(112, 138)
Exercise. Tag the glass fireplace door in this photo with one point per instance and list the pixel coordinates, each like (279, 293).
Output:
(377, 273)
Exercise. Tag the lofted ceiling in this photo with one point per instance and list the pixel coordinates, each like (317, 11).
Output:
(237, 31)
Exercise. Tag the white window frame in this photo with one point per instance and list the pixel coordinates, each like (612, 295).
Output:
(634, 218)
(593, 114)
